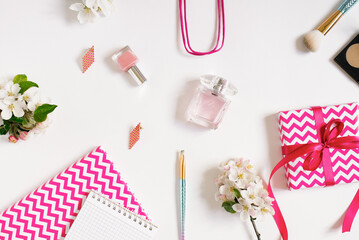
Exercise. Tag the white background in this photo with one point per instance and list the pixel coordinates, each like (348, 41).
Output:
(263, 56)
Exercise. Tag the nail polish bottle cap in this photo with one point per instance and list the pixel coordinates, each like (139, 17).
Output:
(218, 85)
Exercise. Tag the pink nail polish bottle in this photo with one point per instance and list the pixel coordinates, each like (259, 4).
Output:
(211, 101)
(127, 61)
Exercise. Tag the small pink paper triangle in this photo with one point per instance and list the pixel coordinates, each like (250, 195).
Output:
(88, 59)
(135, 135)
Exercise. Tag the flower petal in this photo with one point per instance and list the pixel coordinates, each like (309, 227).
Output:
(31, 106)
(244, 215)
(9, 100)
(88, 15)
(3, 105)
(77, 7)
(15, 89)
(82, 17)
(6, 114)
(105, 6)
(3, 93)
(90, 3)
(223, 189)
(18, 111)
(31, 91)
(8, 85)
(237, 207)
(95, 14)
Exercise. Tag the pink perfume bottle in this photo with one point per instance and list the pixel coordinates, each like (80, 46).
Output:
(127, 61)
(211, 101)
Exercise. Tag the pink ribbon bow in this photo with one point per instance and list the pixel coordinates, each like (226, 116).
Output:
(318, 153)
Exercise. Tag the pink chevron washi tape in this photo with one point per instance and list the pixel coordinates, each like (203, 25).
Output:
(48, 212)
(298, 127)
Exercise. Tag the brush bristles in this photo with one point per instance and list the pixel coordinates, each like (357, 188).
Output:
(313, 39)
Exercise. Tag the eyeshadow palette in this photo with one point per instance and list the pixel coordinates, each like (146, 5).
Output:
(348, 59)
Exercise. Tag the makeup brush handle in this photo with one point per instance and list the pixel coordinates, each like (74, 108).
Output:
(183, 206)
(346, 5)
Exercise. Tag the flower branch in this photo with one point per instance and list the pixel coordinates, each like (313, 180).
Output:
(242, 192)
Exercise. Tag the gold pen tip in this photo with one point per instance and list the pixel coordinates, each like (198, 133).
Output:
(182, 152)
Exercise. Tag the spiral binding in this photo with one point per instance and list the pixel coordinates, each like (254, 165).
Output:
(123, 211)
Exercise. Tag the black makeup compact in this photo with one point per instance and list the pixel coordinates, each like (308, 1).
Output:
(348, 59)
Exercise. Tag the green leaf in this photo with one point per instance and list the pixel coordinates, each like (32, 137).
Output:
(20, 78)
(26, 85)
(41, 112)
(4, 129)
(228, 206)
(237, 194)
(15, 119)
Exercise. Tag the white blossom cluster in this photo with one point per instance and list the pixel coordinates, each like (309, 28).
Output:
(23, 111)
(241, 191)
(13, 103)
(91, 10)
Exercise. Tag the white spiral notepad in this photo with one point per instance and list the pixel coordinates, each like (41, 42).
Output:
(100, 218)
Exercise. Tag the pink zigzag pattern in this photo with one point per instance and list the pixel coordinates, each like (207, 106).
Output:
(48, 212)
(296, 127)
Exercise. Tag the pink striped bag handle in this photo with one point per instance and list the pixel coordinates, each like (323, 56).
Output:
(184, 29)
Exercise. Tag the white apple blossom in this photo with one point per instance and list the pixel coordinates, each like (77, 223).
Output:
(29, 94)
(10, 106)
(245, 209)
(228, 191)
(265, 208)
(253, 194)
(90, 10)
(87, 11)
(9, 90)
(246, 164)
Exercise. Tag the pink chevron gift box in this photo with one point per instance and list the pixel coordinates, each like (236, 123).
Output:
(48, 212)
(299, 127)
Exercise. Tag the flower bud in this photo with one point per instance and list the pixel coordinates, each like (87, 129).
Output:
(13, 139)
(23, 135)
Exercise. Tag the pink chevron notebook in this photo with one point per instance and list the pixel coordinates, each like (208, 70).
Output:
(49, 211)
(299, 127)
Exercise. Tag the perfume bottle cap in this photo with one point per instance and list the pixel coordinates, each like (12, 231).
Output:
(218, 84)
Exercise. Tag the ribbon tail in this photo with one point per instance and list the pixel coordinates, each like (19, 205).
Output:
(351, 212)
(278, 216)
